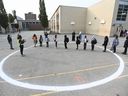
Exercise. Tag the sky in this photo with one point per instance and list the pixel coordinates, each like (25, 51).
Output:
(25, 6)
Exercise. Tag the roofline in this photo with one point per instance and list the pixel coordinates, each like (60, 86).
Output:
(55, 12)
(64, 6)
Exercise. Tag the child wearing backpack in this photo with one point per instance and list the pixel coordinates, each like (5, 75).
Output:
(93, 42)
(66, 40)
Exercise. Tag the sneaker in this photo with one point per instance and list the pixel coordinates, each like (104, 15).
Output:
(12, 48)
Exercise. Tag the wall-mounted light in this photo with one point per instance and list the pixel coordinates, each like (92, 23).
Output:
(72, 23)
(102, 21)
(89, 23)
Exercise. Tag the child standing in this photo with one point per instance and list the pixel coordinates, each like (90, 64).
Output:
(41, 40)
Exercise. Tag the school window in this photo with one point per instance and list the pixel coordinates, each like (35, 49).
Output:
(122, 12)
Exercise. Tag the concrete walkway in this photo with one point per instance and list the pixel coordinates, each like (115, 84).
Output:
(59, 67)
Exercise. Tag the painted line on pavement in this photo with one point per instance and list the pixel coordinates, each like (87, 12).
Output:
(122, 76)
(45, 93)
(53, 92)
(62, 88)
(64, 73)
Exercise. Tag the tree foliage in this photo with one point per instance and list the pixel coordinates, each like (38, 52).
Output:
(11, 18)
(2, 9)
(3, 16)
(14, 14)
(43, 16)
(4, 20)
(16, 25)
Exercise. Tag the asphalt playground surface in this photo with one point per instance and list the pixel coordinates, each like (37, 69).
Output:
(56, 70)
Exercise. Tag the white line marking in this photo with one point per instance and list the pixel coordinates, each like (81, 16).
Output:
(61, 88)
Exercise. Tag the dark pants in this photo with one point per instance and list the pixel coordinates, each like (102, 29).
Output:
(65, 45)
(40, 43)
(47, 44)
(114, 49)
(21, 49)
(125, 50)
(92, 46)
(10, 43)
(85, 44)
(73, 38)
(105, 47)
(56, 44)
(77, 46)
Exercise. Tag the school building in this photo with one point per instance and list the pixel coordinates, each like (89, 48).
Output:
(107, 17)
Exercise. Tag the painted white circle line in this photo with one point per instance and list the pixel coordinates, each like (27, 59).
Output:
(61, 88)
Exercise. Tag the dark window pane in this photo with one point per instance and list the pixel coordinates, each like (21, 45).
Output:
(119, 12)
(126, 6)
(122, 12)
(125, 9)
(123, 19)
(118, 19)
(119, 15)
(120, 6)
(124, 16)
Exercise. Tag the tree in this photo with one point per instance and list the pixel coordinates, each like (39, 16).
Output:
(11, 18)
(16, 25)
(14, 14)
(4, 21)
(3, 16)
(43, 16)
(2, 9)
(11, 21)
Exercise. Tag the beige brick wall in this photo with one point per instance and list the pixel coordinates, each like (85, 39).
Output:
(102, 11)
(99, 19)
(68, 14)
(73, 14)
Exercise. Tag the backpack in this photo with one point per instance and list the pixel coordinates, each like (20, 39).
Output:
(67, 39)
(79, 42)
(94, 41)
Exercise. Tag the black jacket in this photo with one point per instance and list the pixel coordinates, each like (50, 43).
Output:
(126, 43)
(9, 39)
(105, 42)
(66, 39)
